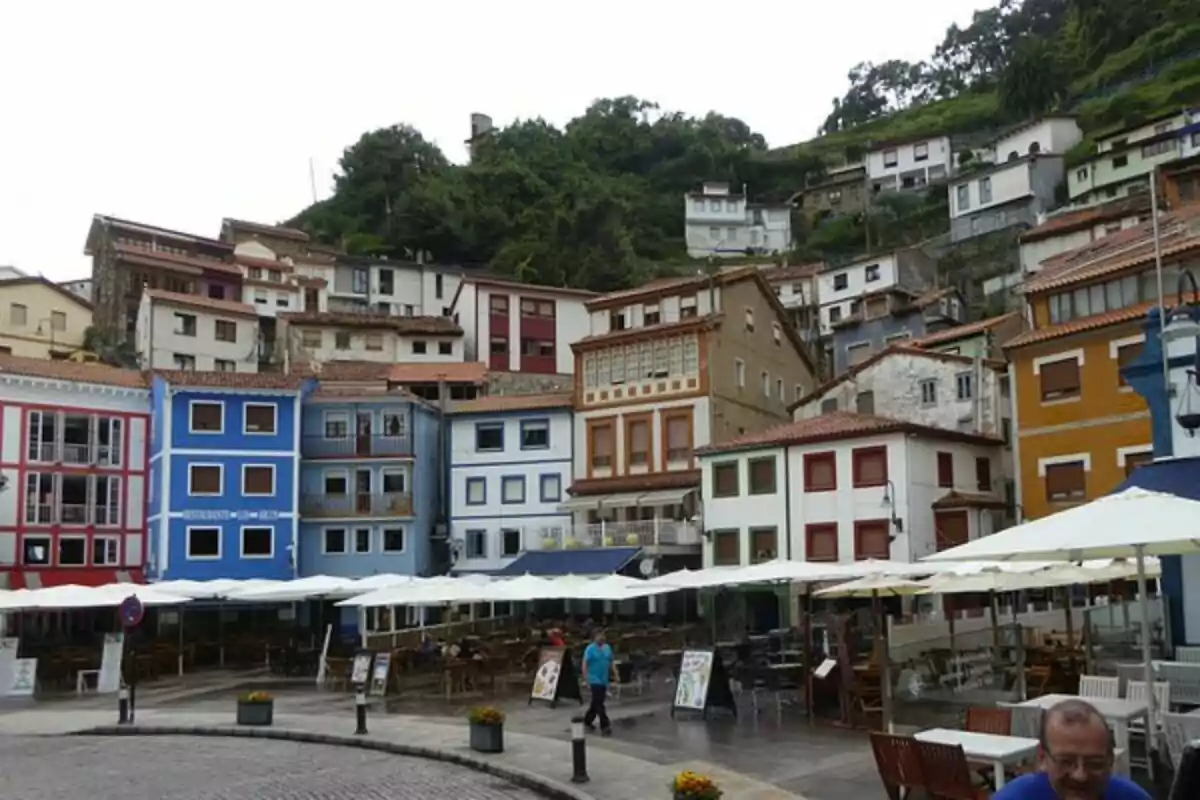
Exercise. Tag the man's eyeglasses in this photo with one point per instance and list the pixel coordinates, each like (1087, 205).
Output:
(1089, 764)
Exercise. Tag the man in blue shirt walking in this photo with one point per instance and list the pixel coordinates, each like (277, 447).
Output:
(598, 668)
(1076, 759)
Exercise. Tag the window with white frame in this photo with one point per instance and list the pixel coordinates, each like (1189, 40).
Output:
(333, 541)
(395, 424)
(106, 551)
(207, 416)
(393, 540)
(258, 542)
(260, 417)
(203, 543)
(337, 483)
(535, 434)
(476, 544)
(258, 480)
(512, 489)
(929, 392)
(739, 369)
(72, 551)
(395, 481)
(964, 383)
(35, 551)
(362, 541)
(107, 498)
(204, 480)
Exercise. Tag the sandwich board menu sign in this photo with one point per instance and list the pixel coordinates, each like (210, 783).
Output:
(703, 683)
(554, 677)
(360, 669)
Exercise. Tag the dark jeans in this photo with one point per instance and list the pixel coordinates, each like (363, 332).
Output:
(596, 709)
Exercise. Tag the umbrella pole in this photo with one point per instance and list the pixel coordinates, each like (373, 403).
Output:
(995, 614)
(1066, 595)
(885, 671)
(808, 665)
(948, 605)
(1148, 667)
(181, 641)
(1019, 641)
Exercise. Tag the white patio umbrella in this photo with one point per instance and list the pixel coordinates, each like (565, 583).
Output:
(70, 596)
(695, 578)
(610, 587)
(219, 589)
(315, 587)
(1134, 523)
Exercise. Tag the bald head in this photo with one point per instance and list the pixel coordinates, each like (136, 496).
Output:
(1073, 714)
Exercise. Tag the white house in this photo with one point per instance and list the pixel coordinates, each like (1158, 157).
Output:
(845, 486)
(402, 288)
(1019, 184)
(838, 287)
(347, 336)
(510, 466)
(720, 222)
(520, 327)
(191, 332)
(1125, 158)
(907, 165)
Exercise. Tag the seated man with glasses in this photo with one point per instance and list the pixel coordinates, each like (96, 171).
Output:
(1076, 760)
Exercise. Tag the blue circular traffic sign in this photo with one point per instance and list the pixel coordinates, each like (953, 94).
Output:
(132, 611)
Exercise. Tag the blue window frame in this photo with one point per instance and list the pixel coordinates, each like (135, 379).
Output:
(550, 488)
(476, 491)
(489, 437)
(512, 489)
(535, 434)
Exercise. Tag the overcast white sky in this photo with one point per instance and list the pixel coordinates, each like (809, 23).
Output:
(180, 113)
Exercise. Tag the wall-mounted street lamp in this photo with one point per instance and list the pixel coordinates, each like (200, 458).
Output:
(889, 502)
(1181, 324)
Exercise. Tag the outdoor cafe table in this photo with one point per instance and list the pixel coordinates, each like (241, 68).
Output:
(999, 751)
(1117, 711)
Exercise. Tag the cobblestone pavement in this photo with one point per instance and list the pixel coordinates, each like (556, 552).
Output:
(195, 768)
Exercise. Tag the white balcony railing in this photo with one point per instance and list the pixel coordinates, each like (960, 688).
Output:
(645, 533)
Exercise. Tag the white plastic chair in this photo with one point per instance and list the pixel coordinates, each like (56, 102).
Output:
(1162, 702)
(1099, 687)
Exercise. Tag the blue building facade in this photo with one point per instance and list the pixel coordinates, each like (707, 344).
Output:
(370, 484)
(224, 467)
(1180, 574)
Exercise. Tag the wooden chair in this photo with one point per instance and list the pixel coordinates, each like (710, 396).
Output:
(997, 721)
(1100, 687)
(899, 764)
(947, 774)
(1037, 679)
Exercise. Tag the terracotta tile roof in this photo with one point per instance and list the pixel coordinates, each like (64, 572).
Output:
(513, 402)
(433, 326)
(665, 328)
(158, 258)
(792, 272)
(838, 425)
(953, 499)
(504, 283)
(308, 280)
(202, 303)
(962, 331)
(25, 280)
(230, 380)
(651, 482)
(344, 370)
(270, 230)
(900, 348)
(450, 372)
(367, 392)
(1179, 233)
(662, 286)
(72, 371)
(1117, 317)
(1068, 222)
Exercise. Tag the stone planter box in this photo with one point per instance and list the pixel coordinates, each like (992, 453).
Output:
(255, 713)
(487, 738)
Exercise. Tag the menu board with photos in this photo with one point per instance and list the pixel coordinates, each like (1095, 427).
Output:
(380, 672)
(360, 670)
(703, 684)
(545, 677)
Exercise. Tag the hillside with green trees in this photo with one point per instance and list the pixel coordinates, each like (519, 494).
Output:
(598, 203)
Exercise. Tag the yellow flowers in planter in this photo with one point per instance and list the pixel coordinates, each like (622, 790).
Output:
(690, 785)
(486, 715)
(256, 697)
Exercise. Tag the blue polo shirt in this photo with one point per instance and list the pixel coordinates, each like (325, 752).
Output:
(599, 664)
(1036, 786)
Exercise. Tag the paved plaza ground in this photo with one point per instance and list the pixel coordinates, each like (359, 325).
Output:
(755, 757)
(183, 768)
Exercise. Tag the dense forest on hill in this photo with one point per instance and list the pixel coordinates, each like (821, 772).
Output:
(598, 204)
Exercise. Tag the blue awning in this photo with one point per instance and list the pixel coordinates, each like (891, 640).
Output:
(1177, 476)
(597, 561)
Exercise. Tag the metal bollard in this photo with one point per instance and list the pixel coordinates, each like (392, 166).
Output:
(122, 706)
(578, 753)
(360, 712)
